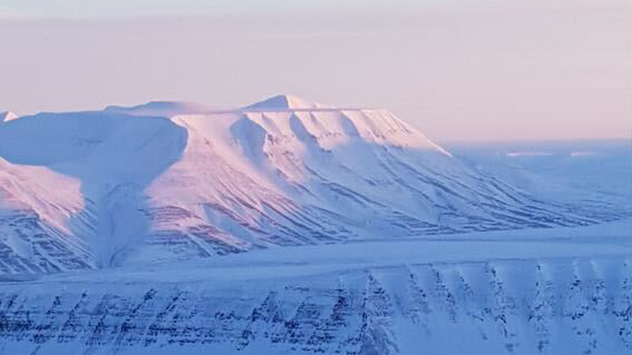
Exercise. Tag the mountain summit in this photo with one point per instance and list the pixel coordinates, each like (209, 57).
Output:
(284, 102)
(7, 116)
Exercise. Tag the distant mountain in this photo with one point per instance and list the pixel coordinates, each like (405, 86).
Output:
(167, 180)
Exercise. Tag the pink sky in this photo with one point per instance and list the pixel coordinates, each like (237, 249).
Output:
(475, 70)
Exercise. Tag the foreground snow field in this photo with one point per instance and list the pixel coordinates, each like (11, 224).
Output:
(557, 291)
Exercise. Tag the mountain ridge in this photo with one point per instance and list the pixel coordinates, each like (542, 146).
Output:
(169, 181)
(285, 102)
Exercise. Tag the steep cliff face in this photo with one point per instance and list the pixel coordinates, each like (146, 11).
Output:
(548, 306)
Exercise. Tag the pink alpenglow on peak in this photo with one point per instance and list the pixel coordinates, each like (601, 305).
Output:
(7, 116)
(284, 102)
(171, 181)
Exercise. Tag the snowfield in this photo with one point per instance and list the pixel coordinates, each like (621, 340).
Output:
(567, 291)
(292, 227)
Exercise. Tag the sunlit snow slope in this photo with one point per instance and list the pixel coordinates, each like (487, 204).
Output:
(165, 181)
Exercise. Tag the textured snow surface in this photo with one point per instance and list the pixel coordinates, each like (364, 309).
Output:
(557, 291)
(340, 230)
(174, 181)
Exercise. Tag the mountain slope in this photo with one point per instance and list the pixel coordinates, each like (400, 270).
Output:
(167, 181)
(533, 295)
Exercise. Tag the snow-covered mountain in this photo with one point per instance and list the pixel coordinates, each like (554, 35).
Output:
(391, 243)
(167, 181)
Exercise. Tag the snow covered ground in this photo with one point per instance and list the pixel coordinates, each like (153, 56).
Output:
(556, 291)
(290, 227)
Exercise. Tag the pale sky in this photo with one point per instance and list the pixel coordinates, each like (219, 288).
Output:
(456, 69)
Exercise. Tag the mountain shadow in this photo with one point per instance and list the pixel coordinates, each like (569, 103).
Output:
(114, 156)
